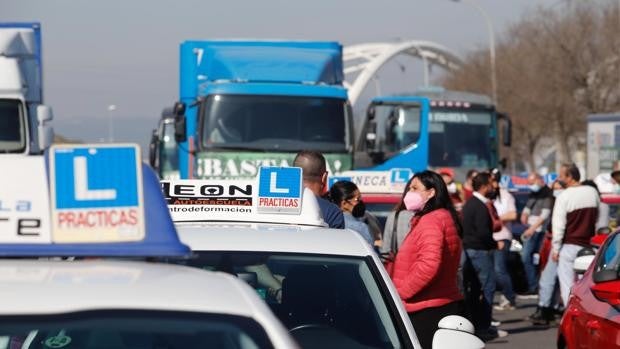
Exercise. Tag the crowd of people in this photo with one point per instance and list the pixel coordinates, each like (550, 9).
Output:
(448, 246)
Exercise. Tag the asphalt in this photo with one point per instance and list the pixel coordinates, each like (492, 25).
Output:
(521, 333)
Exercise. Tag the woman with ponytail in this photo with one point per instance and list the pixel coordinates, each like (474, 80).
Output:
(425, 269)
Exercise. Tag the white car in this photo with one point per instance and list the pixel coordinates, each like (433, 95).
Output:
(52, 299)
(129, 304)
(327, 286)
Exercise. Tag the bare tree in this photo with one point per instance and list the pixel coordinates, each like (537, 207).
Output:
(554, 67)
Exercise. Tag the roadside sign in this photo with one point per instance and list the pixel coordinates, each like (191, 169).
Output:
(96, 193)
(279, 190)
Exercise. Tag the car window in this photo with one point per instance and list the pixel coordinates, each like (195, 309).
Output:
(132, 329)
(609, 259)
(325, 301)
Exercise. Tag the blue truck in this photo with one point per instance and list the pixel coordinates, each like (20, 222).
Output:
(432, 128)
(25, 126)
(246, 104)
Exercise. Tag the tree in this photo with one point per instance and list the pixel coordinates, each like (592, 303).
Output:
(554, 67)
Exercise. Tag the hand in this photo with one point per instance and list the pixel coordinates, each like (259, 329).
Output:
(500, 245)
(528, 232)
(524, 219)
(555, 256)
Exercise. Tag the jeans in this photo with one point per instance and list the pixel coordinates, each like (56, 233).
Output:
(482, 263)
(547, 282)
(566, 274)
(531, 246)
(501, 271)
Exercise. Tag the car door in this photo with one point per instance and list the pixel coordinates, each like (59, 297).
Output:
(603, 321)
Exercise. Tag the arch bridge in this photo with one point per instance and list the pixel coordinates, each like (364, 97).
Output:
(363, 61)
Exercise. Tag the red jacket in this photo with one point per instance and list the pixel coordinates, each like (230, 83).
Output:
(425, 269)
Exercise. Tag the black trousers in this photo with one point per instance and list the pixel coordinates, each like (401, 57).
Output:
(425, 321)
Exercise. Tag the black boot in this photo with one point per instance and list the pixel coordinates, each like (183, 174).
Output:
(535, 315)
(543, 316)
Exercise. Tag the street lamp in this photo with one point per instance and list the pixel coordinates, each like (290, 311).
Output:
(484, 14)
(111, 108)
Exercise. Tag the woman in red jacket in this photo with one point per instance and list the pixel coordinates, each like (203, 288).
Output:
(425, 269)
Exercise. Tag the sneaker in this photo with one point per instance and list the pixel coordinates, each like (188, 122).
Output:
(528, 295)
(504, 307)
(495, 323)
(504, 304)
(502, 333)
(491, 333)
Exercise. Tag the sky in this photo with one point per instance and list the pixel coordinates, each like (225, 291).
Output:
(125, 52)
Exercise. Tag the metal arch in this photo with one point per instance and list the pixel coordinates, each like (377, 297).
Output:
(366, 59)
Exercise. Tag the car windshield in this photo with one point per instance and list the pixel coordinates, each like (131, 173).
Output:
(273, 123)
(131, 329)
(325, 301)
(12, 127)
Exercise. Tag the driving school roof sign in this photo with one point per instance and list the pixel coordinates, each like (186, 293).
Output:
(279, 190)
(91, 202)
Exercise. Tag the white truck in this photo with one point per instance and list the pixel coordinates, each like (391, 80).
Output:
(25, 122)
(603, 143)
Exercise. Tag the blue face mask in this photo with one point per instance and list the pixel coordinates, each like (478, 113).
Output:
(534, 187)
(557, 192)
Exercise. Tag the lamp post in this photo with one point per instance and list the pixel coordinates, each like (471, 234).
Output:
(111, 109)
(484, 14)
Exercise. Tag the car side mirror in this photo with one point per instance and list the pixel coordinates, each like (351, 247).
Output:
(506, 129)
(371, 136)
(180, 122)
(456, 332)
(581, 264)
(608, 292)
(45, 132)
(153, 146)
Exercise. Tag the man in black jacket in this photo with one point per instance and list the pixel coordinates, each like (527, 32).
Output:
(479, 245)
(314, 173)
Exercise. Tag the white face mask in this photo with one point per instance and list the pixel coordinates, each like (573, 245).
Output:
(452, 188)
(557, 192)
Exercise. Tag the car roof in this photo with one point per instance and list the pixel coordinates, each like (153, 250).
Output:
(52, 287)
(611, 199)
(273, 238)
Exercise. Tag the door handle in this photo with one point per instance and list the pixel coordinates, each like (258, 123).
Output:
(593, 325)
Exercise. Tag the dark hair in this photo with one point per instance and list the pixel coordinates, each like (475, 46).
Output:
(312, 163)
(573, 172)
(592, 184)
(471, 173)
(482, 178)
(401, 204)
(432, 180)
(496, 174)
(342, 191)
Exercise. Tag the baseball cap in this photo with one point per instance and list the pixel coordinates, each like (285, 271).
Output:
(447, 171)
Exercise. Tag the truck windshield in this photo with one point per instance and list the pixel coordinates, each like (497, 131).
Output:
(280, 123)
(12, 126)
(461, 138)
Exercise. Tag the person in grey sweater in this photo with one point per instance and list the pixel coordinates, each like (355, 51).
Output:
(403, 224)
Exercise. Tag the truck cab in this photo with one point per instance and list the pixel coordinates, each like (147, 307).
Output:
(431, 128)
(24, 120)
(247, 104)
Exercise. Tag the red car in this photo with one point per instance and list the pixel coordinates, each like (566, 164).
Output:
(592, 317)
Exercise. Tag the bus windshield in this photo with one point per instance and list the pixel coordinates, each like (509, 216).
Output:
(461, 138)
(280, 123)
(12, 126)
